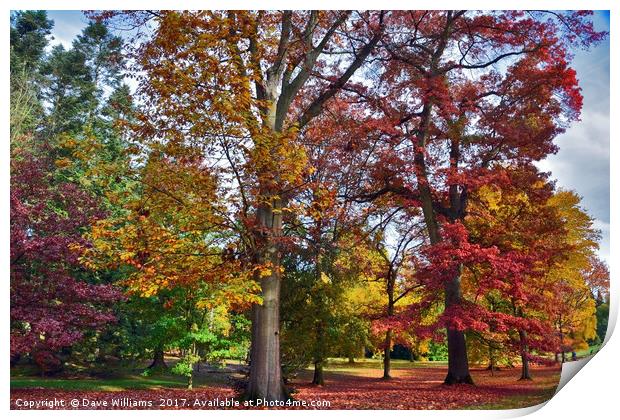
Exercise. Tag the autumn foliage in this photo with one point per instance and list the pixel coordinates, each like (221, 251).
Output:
(285, 187)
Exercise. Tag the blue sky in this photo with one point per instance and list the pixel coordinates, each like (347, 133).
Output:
(582, 164)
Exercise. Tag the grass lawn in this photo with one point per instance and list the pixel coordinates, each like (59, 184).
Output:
(84, 384)
(415, 385)
(120, 381)
(588, 352)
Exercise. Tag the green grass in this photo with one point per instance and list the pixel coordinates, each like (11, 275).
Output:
(586, 353)
(125, 382)
(135, 382)
(517, 401)
(343, 365)
(27, 378)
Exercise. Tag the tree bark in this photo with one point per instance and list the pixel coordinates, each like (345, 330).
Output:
(158, 359)
(318, 378)
(562, 344)
(386, 354)
(458, 365)
(525, 362)
(265, 370)
(278, 93)
(388, 335)
(492, 366)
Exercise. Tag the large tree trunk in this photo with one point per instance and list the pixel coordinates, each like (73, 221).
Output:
(386, 354)
(525, 363)
(458, 365)
(158, 359)
(265, 370)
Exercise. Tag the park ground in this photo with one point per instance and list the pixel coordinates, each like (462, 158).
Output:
(415, 385)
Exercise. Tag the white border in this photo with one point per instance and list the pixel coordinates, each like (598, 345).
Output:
(592, 394)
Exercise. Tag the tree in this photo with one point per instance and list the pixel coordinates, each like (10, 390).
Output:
(544, 233)
(597, 278)
(519, 222)
(77, 79)
(52, 305)
(466, 90)
(173, 254)
(50, 308)
(250, 78)
(29, 31)
(321, 230)
(445, 100)
(574, 309)
(396, 244)
(28, 41)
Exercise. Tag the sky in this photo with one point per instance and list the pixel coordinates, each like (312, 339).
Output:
(582, 164)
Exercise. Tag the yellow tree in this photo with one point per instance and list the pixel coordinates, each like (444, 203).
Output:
(168, 239)
(245, 83)
(572, 304)
(551, 240)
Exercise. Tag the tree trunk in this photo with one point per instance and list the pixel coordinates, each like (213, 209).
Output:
(15, 358)
(351, 360)
(458, 365)
(265, 370)
(190, 382)
(525, 362)
(158, 359)
(318, 378)
(491, 367)
(319, 356)
(319, 345)
(562, 344)
(391, 281)
(386, 354)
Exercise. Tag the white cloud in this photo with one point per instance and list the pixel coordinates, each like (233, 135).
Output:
(67, 25)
